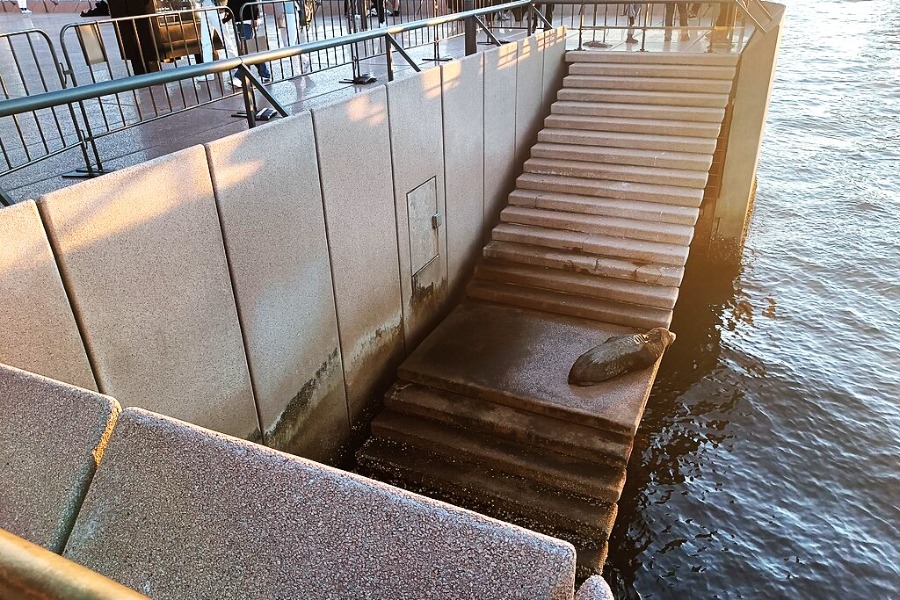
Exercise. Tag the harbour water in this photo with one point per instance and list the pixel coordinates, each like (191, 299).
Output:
(768, 462)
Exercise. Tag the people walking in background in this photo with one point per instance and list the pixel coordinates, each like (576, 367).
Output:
(632, 10)
(682, 9)
(246, 17)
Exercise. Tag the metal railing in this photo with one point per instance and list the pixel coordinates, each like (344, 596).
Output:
(29, 65)
(603, 23)
(134, 70)
(607, 23)
(108, 104)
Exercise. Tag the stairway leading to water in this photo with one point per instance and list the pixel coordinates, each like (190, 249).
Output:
(593, 243)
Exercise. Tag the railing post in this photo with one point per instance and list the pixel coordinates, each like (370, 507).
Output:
(389, 56)
(470, 30)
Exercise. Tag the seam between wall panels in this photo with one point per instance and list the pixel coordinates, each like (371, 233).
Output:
(334, 294)
(237, 303)
(70, 297)
(387, 110)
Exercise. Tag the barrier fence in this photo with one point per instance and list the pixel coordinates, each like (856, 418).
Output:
(189, 56)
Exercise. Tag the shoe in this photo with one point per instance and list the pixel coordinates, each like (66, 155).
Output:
(267, 79)
(25, 11)
(389, 13)
(505, 16)
(237, 82)
(373, 12)
(631, 40)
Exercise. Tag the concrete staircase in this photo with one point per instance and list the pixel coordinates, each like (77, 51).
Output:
(593, 243)
(601, 221)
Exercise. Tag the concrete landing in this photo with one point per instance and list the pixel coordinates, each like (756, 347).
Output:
(483, 416)
(521, 358)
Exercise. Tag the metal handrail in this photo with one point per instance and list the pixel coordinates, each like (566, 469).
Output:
(126, 84)
(743, 5)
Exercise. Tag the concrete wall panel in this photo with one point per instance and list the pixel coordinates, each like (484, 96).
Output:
(141, 252)
(267, 189)
(38, 332)
(499, 131)
(354, 157)
(463, 90)
(175, 512)
(52, 435)
(552, 44)
(529, 91)
(417, 148)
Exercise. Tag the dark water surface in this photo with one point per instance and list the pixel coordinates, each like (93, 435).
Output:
(768, 462)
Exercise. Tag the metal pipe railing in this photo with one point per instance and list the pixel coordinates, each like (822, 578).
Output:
(115, 86)
(29, 572)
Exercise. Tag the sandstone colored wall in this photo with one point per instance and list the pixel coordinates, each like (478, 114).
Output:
(462, 86)
(38, 332)
(267, 188)
(354, 152)
(142, 256)
(417, 152)
(271, 282)
(499, 131)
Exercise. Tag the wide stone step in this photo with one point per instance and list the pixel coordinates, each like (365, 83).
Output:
(592, 243)
(609, 207)
(620, 96)
(589, 264)
(624, 156)
(649, 84)
(628, 315)
(613, 226)
(657, 58)
(634, 174)
(623, 190)
(652, 70)
(639, 111)
(578, 284)
(631, 125)
(512, 424)
(557, 472)
(500, 495)
(642, 141)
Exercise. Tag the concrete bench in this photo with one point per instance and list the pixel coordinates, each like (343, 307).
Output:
(52, 437)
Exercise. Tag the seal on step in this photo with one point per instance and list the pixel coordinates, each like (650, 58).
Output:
(620, 354)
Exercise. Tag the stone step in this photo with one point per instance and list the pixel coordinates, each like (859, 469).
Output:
(649, 84)
(612, 226)
(628, 315)
(641, 141)
(589, 264)
(624, 156)
(680, 71)
(512, 424)
(578, 284)
(632, 125)
(640, 251)
(499, 495)
(695, 114)
(634, 174)
(622, 190)
(556, 472)
(609, 207)
(657, 58)
(619, 96)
